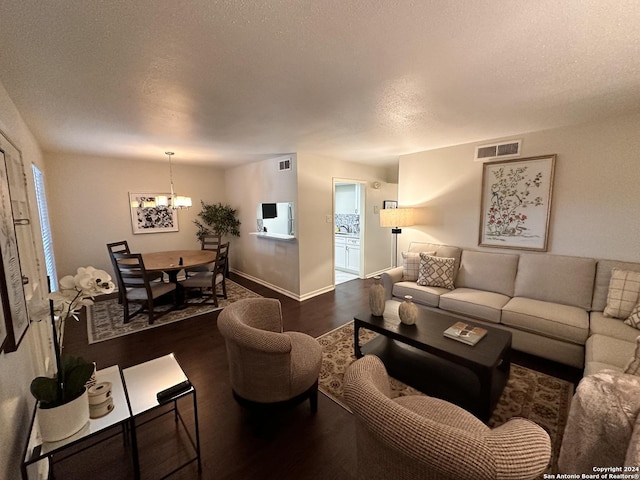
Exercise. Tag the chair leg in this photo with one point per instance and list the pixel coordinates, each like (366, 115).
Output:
(224, 288)
(214, 295)
(150, 308)
(126, 311)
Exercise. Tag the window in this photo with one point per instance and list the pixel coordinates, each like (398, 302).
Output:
(43, 213)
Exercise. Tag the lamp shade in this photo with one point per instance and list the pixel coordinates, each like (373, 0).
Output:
(396, 217)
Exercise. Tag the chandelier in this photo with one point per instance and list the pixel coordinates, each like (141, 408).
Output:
(173, 201)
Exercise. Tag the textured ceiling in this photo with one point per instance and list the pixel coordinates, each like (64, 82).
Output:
(224, 82)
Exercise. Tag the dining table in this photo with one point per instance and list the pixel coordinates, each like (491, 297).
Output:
(172, 261)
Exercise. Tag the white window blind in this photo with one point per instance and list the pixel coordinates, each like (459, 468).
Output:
(43, 213)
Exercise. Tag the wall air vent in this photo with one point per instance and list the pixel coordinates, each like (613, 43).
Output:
(284, 164)
(498, 150)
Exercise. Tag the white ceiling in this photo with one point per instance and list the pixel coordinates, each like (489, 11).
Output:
(224, 82)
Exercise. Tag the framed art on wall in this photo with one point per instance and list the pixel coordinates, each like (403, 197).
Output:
(516, 203)
(12, 280)
(389, 204)
(147, 217)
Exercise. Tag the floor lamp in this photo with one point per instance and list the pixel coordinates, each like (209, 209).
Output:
(396, 218)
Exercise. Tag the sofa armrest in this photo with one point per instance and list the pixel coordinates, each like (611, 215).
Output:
(388, 279)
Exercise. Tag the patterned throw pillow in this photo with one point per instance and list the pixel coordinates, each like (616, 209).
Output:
(436, 271)
(624, 293)
(633, 367)
(634, 319)
(411, 264)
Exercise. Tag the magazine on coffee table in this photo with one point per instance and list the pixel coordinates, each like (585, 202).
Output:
(465, 333)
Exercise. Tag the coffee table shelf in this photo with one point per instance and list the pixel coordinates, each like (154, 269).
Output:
(472, 377)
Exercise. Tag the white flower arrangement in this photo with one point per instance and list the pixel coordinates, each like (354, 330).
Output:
(72, 373)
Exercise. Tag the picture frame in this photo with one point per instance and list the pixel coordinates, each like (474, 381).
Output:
(515, 205)
(14, 304)
(389, 204)
(151, 218)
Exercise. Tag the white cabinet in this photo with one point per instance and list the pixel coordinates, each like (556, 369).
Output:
(341, 253)
(347, 254)
(353, 255)
(347, 198)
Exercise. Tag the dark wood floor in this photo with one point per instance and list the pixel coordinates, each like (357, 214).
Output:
(293, 444)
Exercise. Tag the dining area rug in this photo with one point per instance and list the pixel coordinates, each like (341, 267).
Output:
(536, 396)
(105, 319)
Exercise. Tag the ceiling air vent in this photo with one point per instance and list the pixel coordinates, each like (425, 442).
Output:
(284, 164)
(498, 150)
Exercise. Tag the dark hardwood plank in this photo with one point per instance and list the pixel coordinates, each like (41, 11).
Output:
(236, 444)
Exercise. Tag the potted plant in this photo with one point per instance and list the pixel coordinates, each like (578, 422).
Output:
(63, 407)
(218, 219)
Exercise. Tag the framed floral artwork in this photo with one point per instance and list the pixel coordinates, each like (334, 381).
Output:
(147, 217)
(516, 203)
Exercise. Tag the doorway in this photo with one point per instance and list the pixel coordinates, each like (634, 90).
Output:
(348, 223)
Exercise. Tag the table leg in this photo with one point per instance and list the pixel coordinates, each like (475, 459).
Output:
(134, 450)
(195, 414)
(180, 301)
(356, 339)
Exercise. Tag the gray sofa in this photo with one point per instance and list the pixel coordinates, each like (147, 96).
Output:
(552, 304)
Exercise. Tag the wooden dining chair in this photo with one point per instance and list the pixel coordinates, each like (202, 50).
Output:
(123, 247)
(209, 241)
(209, 281)
(137, 287)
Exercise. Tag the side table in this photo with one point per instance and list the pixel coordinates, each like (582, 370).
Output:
(143, 382)
(37, 451)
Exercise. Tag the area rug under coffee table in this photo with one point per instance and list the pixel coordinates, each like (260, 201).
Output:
(529, 394)
(105, 319)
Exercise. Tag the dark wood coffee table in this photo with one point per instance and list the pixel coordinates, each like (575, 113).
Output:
(472, 377)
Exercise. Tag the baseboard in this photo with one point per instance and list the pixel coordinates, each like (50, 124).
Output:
(278, 289)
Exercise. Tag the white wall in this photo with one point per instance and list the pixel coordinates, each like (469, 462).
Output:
(89, 204)
(18, 368)
(274, 262)
(595, 195)
(315, 186)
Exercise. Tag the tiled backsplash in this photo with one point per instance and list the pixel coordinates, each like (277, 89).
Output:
(349, 220)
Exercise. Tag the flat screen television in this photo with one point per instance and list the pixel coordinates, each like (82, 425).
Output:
(269, 210)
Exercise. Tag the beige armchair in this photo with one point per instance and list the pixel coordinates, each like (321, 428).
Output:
(266, 365)
(419, 437)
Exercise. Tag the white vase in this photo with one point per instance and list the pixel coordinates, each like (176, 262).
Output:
(61, 422)
(408, 311)
(376, 298)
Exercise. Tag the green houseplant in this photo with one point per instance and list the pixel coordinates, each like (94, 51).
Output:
(62, 410)
(218, 219)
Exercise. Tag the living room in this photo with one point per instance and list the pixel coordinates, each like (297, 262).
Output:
(593, 213)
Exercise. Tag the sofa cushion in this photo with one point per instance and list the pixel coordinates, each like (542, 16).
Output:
(436, 271)
(492, 272)
(611, 327)
(411, 265)
(563, 322)
(624, 293)
(556, 279)
(474, 303)
(423, 295)
(633, 320)
(603, 352)
(445, 251)
(603, 278)
(633, 365)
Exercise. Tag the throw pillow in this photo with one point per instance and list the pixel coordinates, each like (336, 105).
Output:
(436, 271)
(634, 319)
(411, 264)
(624, 293)
(633, 367)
